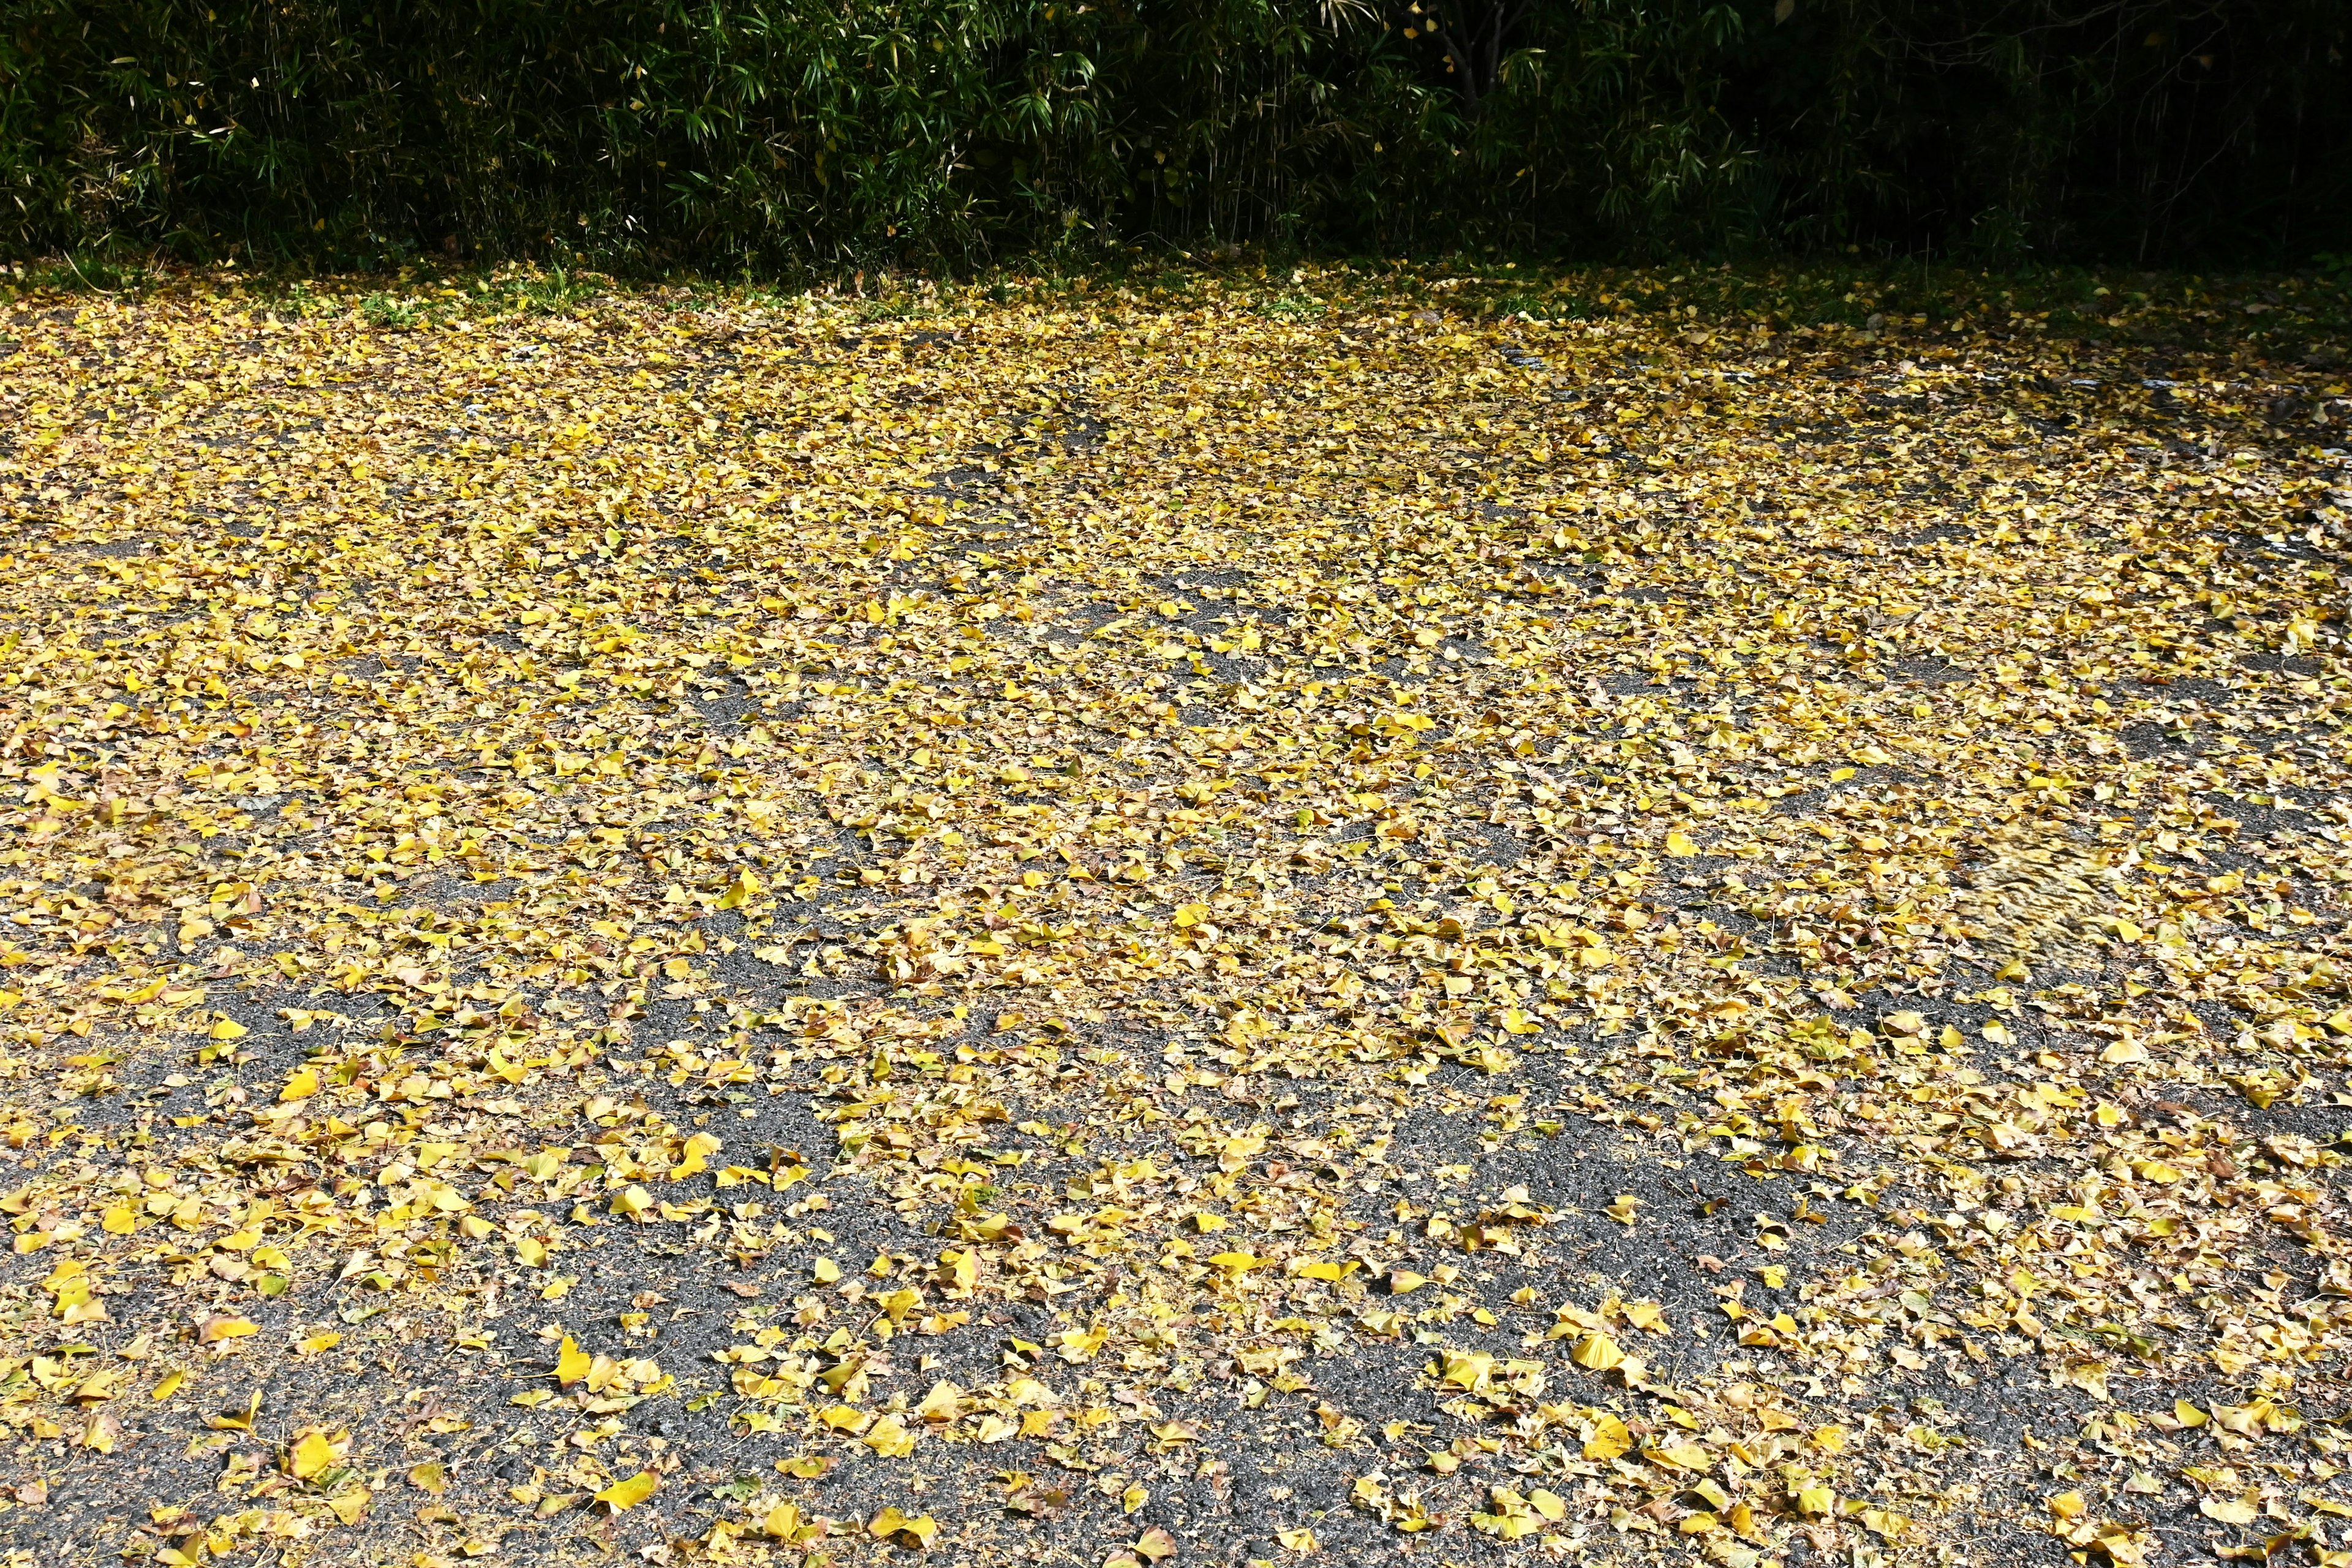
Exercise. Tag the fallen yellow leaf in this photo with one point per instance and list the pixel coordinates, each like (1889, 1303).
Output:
(629, 1491)
(310, 1453)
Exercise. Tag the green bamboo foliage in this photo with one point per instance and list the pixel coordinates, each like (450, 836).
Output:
(752, 134)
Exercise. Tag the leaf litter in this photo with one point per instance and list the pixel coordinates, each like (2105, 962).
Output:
(1133, 922)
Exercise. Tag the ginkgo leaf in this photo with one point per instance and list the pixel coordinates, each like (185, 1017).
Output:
(310, 1453)
(1597, 1352)
(888, 1439)
(920, 1528)
(629, 1491)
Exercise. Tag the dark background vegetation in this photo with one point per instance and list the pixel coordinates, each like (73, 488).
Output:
(741, 134)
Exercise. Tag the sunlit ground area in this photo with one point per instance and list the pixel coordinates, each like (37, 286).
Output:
(1175, 920)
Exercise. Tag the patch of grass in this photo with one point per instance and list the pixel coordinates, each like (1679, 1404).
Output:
(96, 272)
(553, 291)
(389, 312)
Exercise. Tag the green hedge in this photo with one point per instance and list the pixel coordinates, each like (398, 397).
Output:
(740, 133)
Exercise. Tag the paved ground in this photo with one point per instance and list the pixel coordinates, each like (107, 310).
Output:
(1198, 920)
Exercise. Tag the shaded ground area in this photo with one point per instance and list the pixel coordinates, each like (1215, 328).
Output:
(1120, 923)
